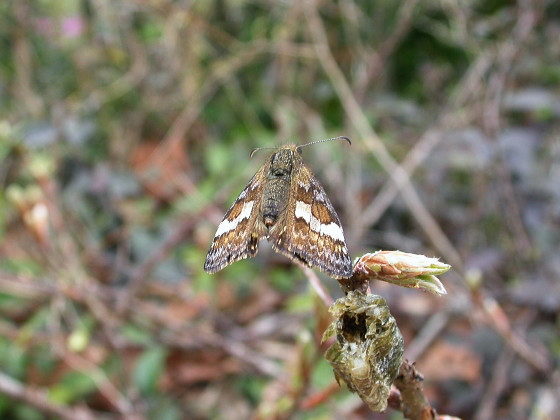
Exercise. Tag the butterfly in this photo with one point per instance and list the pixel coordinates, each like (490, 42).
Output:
(285, 204)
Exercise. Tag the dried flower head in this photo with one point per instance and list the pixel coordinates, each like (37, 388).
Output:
(368, 349)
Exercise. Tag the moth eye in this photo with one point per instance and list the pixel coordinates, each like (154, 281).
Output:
(299, 151)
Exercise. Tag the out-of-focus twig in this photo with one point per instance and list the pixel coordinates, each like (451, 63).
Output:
(222, 71)
(497, 318)
(105, 386)
(141, 272)
(372, 141)
(529, 13)
(39, 399)
(378, 59)
(429, 332)
(23, 61)
(318, 286)
(500, 372)
(414, 158)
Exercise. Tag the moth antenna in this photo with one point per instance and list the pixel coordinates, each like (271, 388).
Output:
(261, 148)
(321, 141)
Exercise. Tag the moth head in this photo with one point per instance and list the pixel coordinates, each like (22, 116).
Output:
(298, 148)
(283, 161)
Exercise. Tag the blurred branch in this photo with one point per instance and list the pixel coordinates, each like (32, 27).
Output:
(454, 114)
(79, 291)
(106, 388)
(497, 318)
(529, 12)
(370, 139)
(498, 381)
(528, 15)
(39, 399)
(421, 149)
(317, 286)
(124, 84)
(102, 302)
(141, 272)
(23, 61)
(430, 331)
(222, 70)
(378, 58)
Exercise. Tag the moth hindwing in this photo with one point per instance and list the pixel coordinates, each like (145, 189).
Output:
(284, 203)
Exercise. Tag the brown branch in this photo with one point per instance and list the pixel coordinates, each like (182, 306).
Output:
(39, 399)
(487, 406)
(143, 270)
(427, 335)
(415, 405)
(378, 58)
(354, 283)
(497, 319)
(23, 62)
(372, 141)
(529, 14)
(316, 284)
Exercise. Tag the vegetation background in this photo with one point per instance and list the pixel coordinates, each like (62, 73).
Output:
(125, 130)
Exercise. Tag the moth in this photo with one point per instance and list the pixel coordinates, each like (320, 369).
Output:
(285, 204)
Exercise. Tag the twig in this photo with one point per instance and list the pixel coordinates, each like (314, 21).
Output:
(497, 318)
(373, 142)
(109, 390)
(425, 144)
(318, 286)
(222, 71)
(415, 405)
(39, 399)
(379, 57)
(143, 270)
(427, 335)
(500, 372)
(528, 15)
(23, 62)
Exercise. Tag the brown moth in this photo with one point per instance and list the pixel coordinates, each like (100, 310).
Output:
(285, 204)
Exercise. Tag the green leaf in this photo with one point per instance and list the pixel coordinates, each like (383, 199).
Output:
(72, 387)
(136, 335)
(148, 369)
(166, 409)
(13, 358)
(24, 412)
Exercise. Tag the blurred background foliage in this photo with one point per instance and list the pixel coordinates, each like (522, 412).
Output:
(125, 130)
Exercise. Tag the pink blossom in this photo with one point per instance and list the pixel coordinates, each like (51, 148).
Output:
(72, 27)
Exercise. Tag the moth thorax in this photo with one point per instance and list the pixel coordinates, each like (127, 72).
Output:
(277, 189)
(281, 164)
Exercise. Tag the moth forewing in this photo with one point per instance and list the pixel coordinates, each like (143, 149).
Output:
(239, 232)
(312, 232)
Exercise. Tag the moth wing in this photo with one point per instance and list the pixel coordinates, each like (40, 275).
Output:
(240, 230)
(310, 231)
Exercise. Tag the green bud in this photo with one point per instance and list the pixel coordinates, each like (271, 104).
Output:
(403, 269)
